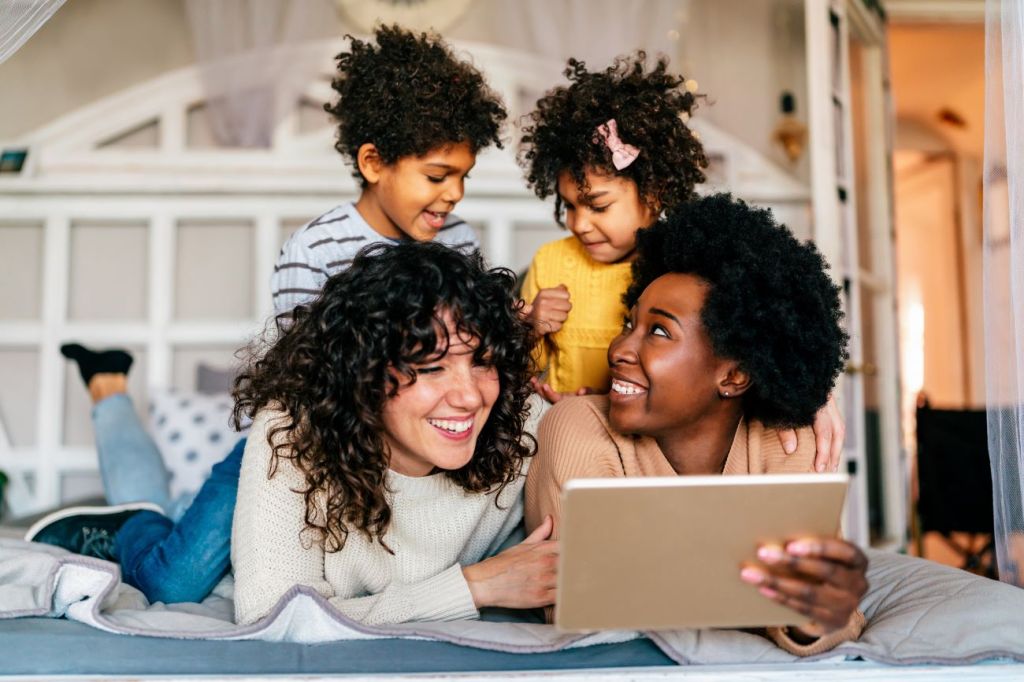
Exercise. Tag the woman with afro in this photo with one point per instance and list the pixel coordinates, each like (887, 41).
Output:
(615, 150)
(733, 332)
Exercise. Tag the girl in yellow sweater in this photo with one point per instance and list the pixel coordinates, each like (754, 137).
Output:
(614, 149)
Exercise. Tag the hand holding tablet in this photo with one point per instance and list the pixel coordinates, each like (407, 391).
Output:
(831, 580)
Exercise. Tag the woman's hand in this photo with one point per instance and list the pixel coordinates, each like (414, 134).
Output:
(829, 434)
(549, 309)
(552, 396)
(521, 577)
(823, 578)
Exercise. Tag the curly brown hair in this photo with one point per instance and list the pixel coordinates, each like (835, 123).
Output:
(331, 365)
(560, 134)
(408, 95)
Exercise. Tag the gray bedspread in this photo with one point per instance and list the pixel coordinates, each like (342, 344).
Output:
(917, 612)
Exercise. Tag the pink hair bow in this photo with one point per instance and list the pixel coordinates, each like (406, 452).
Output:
(622, 154)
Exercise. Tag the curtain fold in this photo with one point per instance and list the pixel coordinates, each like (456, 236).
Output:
(595, 31)
(20, 19)
(1004, 276)
(250, 77)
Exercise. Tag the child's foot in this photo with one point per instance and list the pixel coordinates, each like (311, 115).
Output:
(86, 530)
(91, 363)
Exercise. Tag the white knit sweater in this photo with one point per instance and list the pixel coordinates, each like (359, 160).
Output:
(436, 528)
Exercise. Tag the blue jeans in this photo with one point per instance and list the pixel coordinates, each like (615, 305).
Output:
(130, 463)
(178, 556)
(182, 562)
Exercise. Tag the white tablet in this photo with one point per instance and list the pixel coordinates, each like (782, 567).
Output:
(666, 553)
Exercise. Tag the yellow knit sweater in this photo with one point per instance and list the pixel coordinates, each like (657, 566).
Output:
(576, 355)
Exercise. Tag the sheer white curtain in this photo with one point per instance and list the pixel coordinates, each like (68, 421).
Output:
(595, 31)
(1004, 276)
(252, 79)
(250, 76)
(20, 19)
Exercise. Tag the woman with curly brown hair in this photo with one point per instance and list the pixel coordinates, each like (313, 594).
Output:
(615, 149)
(387, 458)
(411, 117)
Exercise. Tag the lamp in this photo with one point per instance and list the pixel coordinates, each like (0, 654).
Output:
(790, 132)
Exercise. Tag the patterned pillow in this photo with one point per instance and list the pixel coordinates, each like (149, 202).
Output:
(193, 433)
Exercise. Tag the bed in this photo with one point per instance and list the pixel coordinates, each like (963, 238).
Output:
(62, 614)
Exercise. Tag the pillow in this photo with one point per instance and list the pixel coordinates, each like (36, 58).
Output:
(917, 612)
(922, 612)
(212, 380)
(192, 432)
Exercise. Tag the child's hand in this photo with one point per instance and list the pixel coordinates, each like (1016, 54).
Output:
(829, 434)
(552, 396)
(550, 309)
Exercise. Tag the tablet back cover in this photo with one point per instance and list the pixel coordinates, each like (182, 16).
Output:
(666, 553)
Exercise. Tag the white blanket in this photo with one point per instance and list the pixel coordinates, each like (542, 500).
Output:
(918, 612)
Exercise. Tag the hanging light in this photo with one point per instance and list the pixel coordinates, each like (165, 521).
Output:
(790, 133)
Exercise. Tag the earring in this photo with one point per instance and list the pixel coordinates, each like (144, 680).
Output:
(725, 393)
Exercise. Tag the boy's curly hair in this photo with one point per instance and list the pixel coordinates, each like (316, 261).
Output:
(408, 94)
(771, 305)
(560, 134)
(332, 365)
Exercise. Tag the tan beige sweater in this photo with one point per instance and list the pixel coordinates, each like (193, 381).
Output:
(575, 440)
(436, 529)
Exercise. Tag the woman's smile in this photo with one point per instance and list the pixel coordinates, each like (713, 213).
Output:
(622, 388)
(460, 428)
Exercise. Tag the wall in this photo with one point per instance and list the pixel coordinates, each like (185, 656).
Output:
(744, 55)
(90, 49)
(937, 202)
(928, 260)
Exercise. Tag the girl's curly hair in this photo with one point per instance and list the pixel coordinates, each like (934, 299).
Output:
(335, 362)
(560, 134)
(771, 305)
(408, 95)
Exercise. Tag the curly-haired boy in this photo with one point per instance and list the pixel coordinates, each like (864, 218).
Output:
(411, 120)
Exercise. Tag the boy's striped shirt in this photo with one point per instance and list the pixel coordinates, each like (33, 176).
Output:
(327, 245)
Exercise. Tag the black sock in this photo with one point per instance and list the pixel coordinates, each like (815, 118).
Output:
(96, 362)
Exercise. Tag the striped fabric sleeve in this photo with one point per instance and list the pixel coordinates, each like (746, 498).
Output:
(298, 277)
(460, 236)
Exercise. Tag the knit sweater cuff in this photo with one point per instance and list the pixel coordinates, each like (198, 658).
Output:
(851, 632)
(446, 596)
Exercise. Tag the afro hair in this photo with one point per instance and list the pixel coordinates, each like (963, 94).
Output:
(648, 107)
(407, 95)
(771, 305)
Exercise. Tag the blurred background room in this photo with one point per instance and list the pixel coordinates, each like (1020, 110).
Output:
(157, 153)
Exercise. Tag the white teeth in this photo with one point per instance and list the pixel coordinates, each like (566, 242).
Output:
(452, 426)
(625, 388)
